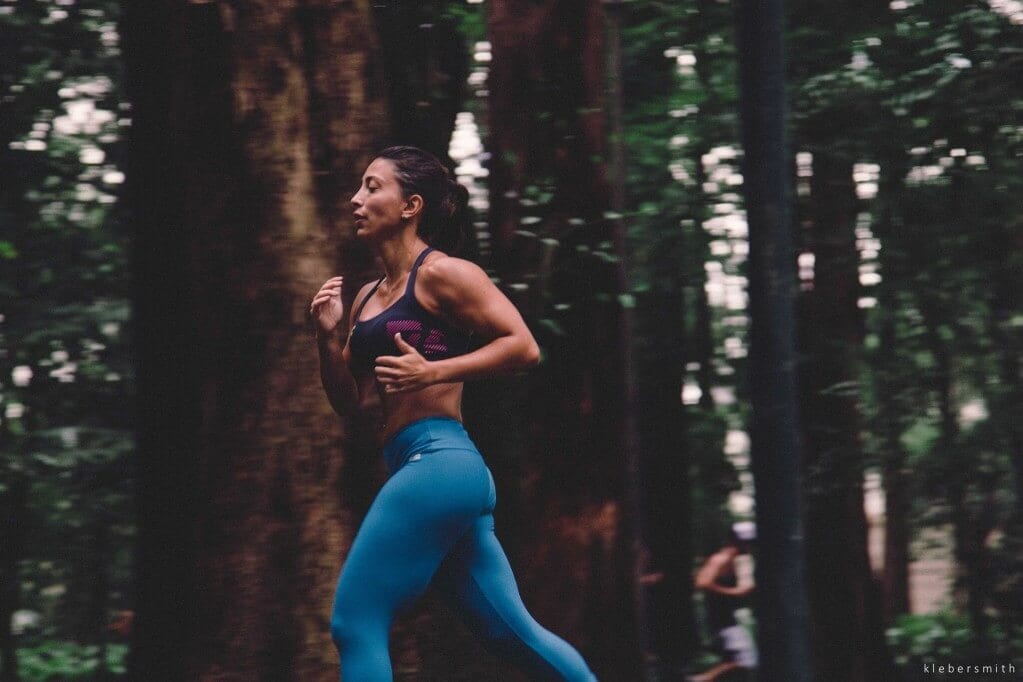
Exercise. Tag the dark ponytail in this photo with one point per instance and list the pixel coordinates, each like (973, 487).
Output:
(446, 223)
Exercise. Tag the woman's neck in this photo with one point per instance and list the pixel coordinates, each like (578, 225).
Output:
(398, 255)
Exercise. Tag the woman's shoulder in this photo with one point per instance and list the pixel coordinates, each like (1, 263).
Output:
(446, 277)
(439, 268)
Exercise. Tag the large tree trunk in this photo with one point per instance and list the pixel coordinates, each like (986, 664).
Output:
(251, 124)
(568, 500)
(547, 111)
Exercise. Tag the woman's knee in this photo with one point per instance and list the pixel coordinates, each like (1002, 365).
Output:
(342, 628)
(349, 619)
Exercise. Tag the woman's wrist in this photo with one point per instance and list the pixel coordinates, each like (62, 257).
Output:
(435, 372)
(325, 336)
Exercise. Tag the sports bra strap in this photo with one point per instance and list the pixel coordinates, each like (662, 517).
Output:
(410, 286)
(362, 305)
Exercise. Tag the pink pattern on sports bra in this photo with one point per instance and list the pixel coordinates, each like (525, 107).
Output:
(412, 332)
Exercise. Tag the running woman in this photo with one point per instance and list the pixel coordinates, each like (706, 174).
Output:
(409, 346)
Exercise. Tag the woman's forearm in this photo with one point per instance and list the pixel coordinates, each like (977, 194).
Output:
(338, 383)
(503, 355)
(737, 591)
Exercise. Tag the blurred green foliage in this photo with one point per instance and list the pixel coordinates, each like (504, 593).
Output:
(65, 368)
(55, 661)
(947, 638)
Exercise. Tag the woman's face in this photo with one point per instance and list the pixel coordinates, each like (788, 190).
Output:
(379, 203)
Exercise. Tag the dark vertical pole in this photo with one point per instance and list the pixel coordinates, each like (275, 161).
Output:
(781, 605)
(631, 519)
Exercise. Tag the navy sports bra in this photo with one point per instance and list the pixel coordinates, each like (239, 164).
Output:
(431, 335)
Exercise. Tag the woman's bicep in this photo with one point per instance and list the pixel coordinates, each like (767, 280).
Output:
(474, 302)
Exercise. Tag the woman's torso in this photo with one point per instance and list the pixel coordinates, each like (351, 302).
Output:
(376, 320)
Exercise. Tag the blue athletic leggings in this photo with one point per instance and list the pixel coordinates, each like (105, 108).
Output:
(433, 521)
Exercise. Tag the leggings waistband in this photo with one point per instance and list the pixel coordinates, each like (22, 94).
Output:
(425, 435)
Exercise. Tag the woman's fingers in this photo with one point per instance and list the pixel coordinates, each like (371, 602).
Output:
(326, 307)
(329, 291)
(322, 298)
(333, 284)
(390, 373)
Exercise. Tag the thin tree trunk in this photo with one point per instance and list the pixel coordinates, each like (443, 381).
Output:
(893, 384)
(1009, 403)
(780, 596)
(98, 587)
(12, 513)
(896, 481)
(630, 535)
(896, 543)
(666, 462)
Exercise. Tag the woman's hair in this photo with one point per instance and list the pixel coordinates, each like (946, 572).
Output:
(445, 223)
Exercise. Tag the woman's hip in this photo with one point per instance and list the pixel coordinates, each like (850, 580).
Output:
(427, 436)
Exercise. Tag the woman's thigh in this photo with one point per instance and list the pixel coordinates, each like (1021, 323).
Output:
(417, 517)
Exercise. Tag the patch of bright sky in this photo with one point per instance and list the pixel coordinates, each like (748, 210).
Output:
(972, 411)
(1013, 9)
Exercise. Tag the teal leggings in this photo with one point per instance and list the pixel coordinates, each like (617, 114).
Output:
(433, 522)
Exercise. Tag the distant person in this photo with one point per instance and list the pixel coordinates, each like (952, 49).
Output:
(722, 596)
(408, 350)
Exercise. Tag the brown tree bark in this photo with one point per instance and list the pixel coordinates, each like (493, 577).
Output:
(555, 439)
(252, 122)
(547, 119)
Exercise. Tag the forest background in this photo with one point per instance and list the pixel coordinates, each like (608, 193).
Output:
(176, 494)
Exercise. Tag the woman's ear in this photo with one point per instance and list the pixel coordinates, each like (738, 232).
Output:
(413, 206)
